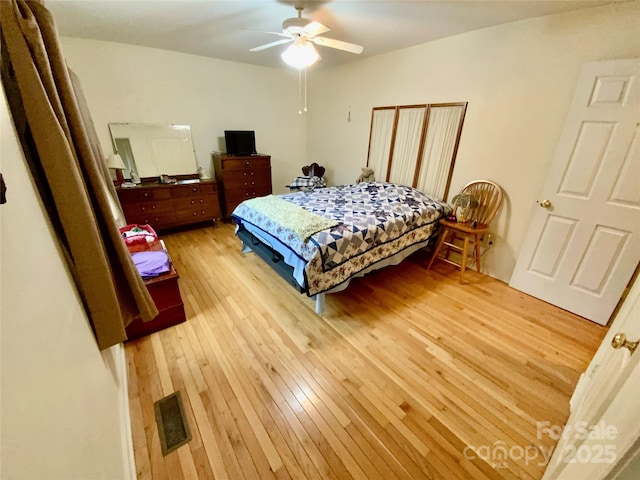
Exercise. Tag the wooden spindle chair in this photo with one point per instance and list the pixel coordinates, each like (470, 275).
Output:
(490, 197)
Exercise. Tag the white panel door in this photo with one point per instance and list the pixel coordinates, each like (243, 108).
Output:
(605, 407)
(583, 243)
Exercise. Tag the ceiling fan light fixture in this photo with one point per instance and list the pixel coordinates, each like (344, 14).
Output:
(300, 55)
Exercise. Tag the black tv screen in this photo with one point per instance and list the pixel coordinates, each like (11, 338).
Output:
(240, 142)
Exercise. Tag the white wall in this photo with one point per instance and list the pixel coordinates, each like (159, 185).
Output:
(519, 80)
(62, 403)
(128, 83)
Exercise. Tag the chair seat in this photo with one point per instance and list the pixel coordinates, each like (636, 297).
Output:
(466, 227)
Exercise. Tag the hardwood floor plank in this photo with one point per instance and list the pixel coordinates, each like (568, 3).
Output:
(407, 375)
(209, 440)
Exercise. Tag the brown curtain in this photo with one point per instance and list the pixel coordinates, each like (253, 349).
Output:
(73, 175)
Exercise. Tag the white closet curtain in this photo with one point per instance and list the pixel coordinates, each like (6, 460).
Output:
(407, 144)
(380, 141)
(416, 145)
(442, 133)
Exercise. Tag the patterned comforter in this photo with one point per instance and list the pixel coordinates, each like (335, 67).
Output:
(375, 221)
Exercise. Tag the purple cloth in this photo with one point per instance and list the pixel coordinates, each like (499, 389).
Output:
(151, 263)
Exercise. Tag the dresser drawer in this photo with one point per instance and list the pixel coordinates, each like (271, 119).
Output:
(245, 162)
(196, 189)
(199, 214)
(146, 208)
(141, 194)
(237, 178)
(195, 202)
(157, 220)
(237, 195)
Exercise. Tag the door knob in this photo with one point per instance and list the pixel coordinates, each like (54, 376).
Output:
(619, 340)
(545, 203)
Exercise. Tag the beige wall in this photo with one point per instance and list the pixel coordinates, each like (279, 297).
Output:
(518, 79)
(128, 83)
(63, 413)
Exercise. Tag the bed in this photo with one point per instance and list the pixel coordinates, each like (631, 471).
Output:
(321, 239)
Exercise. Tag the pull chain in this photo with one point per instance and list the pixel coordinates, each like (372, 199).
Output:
(305, 89)
(299, 91)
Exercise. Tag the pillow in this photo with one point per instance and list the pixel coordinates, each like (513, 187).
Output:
(313, 170)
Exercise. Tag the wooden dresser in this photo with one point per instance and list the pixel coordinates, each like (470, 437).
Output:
(241, 178)
(170, 205)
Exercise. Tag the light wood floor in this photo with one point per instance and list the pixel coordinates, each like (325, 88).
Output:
(407, 374)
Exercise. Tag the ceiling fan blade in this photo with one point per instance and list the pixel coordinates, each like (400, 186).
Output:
(339, 44)
(280, 34)
(313, 29)
(272, 44)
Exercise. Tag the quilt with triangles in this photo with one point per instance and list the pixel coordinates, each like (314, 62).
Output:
(374, 221)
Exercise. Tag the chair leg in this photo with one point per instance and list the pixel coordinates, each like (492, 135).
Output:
(454, 236)
(476, 249)
(463, 266)
(441, 240)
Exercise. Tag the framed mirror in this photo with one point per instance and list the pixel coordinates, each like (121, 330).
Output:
(151, 150)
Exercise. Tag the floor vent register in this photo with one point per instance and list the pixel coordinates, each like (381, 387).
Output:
(172, 423)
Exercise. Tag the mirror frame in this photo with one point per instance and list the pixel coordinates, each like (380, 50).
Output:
(154, 149)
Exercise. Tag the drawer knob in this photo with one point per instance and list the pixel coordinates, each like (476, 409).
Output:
(201, 201)
(247, 163)
(195, 189)
(192, 202)
(195, 213)
(245, 174)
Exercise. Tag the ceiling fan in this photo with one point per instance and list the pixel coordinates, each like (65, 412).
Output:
(303, 32)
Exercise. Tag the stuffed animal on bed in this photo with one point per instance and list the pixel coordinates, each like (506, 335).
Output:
(366, 175)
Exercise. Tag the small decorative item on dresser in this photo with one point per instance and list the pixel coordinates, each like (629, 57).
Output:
(203, 173)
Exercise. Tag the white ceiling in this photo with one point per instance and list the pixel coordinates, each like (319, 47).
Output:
(227, 29)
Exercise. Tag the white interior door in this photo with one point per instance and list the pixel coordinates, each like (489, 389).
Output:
(605, 407)
(583, 243)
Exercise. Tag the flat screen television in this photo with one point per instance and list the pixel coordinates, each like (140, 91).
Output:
(240, 142)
